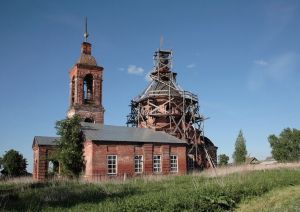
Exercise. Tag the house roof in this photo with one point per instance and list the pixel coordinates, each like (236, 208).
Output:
(44, 141)
(98, 132)
(251, 160)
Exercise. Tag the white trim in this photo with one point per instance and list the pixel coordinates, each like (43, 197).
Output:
(141, 163)
(116, 165)
(176, 163)
(160, 168)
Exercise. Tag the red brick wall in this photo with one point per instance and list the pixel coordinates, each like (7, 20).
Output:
(88, 157)
(40, 161)
(95, 154)
(93, 110)
(96, 157)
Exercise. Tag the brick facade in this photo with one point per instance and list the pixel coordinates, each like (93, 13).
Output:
(41, 155)
(86, 87)
(96, 158)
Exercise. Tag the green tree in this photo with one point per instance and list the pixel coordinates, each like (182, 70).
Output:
(286, 147)
(70, 146)
(13, 164)
(223, 159)
(240, 151)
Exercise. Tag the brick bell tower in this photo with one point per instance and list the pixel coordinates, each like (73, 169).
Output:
(86, 86)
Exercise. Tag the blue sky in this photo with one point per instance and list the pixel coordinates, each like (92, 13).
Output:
(241, 58)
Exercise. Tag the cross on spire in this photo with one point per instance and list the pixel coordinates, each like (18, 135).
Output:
(86, 34)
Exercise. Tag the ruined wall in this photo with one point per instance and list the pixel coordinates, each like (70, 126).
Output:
(41, 155)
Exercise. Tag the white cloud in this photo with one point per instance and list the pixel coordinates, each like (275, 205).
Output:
(121, 69)
(260, 62)
(192, 65)
(277, 69)
(133, 69)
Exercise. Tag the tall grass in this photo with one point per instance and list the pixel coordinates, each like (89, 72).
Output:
(225, 170)
(284, 199)
(189, 193)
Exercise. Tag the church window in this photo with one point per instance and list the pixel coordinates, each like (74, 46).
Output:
(88, 88)
(138, 163)
(190, 163)
(173, 163)
(156, 163)
(111, 164)
(73, 90)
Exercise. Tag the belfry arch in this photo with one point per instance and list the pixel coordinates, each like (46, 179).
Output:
(89, 120)
(73, 90)
(88, 89)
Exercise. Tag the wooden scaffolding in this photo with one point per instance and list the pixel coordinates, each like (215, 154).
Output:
(165, 106)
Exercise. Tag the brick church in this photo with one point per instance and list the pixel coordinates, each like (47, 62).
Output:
(109, 151)
(166, 134)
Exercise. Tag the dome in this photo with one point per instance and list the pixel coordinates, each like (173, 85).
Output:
(87, 59)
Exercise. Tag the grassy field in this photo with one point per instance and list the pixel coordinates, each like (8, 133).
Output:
(284, 199)
(182, 193)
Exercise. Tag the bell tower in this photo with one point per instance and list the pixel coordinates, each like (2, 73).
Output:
(86, 85)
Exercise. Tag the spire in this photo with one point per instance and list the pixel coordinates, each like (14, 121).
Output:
(86, 34)
(86, 47)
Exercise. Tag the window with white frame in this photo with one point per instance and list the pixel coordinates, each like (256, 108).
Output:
(111, 164)
(156, 163)
(173, 163)
(138, 163)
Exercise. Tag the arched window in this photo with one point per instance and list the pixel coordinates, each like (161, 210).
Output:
(88, 88)
(89, 120)
(50, 166)
(53, 168)
(73, 90)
